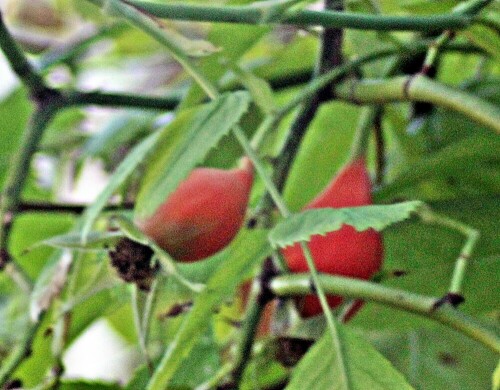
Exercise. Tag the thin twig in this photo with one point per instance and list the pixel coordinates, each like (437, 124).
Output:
(19, 63)
(329, 19)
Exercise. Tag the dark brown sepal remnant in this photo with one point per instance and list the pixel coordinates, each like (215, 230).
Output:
(133, 263)
(452, 298)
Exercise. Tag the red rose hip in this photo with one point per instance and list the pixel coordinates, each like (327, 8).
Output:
(203, 214)
(345, 252)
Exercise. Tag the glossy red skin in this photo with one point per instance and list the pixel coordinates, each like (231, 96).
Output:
(204, 213)
(344, 252)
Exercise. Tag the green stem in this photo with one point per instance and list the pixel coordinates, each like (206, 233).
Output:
(250, 324)
(19, 63)
(256, 15)
(166, 103)
(215, 380)
(362, 133)
(139, 299)
(432, 53)
(270, 187)
(148, 310)
(471, 234)
(422, 89)
(300, 284)
(332, 323)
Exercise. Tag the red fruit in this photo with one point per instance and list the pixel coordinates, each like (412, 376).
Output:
(344, 252)
(203, 215)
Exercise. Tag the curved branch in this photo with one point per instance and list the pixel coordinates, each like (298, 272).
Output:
(300, 284)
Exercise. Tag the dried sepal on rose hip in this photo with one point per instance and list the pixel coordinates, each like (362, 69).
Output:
(344, 252)
(133, 262)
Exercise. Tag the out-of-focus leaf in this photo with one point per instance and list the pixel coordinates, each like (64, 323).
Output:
(366, 368)
(125, 169)
(276, 64)
(263, 370)
(60, 134)
(437, 358)
(480, 292)
(201, 364)
(485, 38)
(31, 228)
(300, 227)
(426, 7)
(89, 307)
(259, 88)
(120, 130)
(192, 47)
(95, 240)
(12, 126)
(453, 163)
(35, 368)
(88, 385)
(323, 151)
(14, 318)
(428, 254)
(231, 50)
(49, 284)
(247, 251)
(181, 148)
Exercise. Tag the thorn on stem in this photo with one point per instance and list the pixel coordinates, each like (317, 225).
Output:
(12, 384)
(269, 271)
(453, 299)
(5, 258)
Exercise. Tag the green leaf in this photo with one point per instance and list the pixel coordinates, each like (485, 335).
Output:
(485, 38)
(242, 38)
(12, 126)
(437, 358)
(322, 152)
(95, 240)
(300, 227)
(182, 148)
(367, 369)
(49, 284)
(259, 88)
(496, 378)
(124, 170)
(201, 364)
(89, 306)
(88, 385)
(428, 7)
(427, 253)
(247, 251)
(34, 369)
(453, 162)
(29, 229)
(121, 130)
